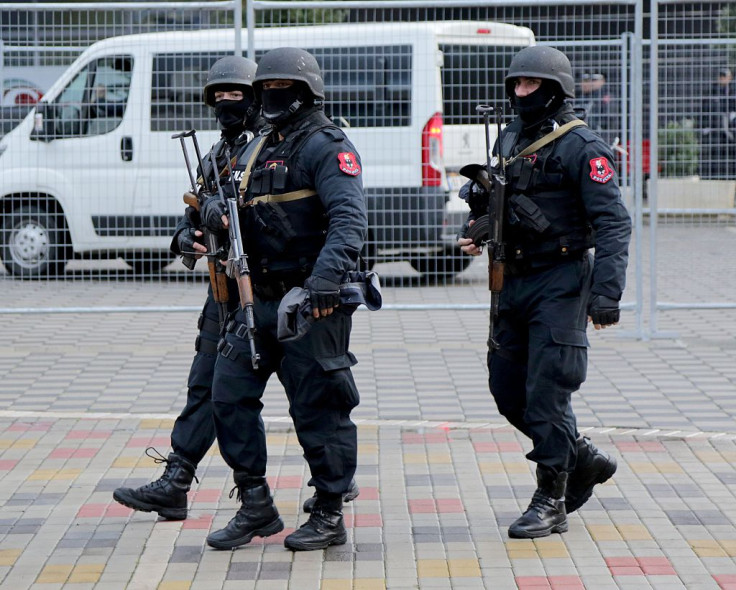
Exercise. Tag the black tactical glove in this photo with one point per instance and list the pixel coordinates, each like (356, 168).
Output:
(323, 293)
(475, 196)
(193, 216)
(186, 239)
(603, 310)
(212, 211)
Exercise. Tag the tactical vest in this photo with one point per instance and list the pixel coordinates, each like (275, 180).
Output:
(284, 222)
(545, 216)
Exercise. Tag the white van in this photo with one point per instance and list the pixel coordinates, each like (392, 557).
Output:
(93, 171)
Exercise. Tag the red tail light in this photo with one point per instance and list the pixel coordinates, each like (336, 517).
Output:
(432, 151)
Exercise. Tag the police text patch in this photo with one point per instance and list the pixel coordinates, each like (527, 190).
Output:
(348, 163)
(600, 170)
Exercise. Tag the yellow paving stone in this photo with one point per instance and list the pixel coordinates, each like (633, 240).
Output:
(367, 448)
(125, 462)
(604, 532)
(174, 585)
(413, 458)
(277, 438)
(439, 458)
(157, 424)
(669, 467)
(710, 456)
(9, 556)
(551, 549)
(54, 474)
(336, 585)
(488, 467)
(641, 467)
(729, 546)
(17, 443)
(464, 568)
(634, 532)
(432, 568)
(54, 574)
(86, 573)
(369, 584)
(516, 467)
(709, 552)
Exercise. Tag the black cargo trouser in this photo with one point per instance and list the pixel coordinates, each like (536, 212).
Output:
(315, 372)
(194, 429)
(542, 358)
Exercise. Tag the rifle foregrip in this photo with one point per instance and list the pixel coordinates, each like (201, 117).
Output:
(220, 292)
(496, 276)
(191, 200)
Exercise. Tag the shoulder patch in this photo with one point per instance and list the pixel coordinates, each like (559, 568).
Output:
(348, 163)
(600, 170)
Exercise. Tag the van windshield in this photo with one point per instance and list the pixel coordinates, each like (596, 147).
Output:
(473, 75)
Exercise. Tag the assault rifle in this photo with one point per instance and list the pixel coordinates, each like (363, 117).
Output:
(215, 251)
(488, 229)
(242, 276)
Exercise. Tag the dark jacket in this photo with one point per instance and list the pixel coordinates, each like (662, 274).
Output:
(323, 230)
(573, 184)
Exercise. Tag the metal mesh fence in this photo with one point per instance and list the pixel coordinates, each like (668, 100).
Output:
(401, 78)
(693, 121)
(92, 188)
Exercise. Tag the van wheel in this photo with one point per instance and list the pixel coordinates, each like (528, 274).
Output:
(148, 263)
(442, 266)
(34, 242)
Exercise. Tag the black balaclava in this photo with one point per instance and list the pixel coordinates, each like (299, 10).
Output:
(231, 113)
(536, 107)
(280, 104)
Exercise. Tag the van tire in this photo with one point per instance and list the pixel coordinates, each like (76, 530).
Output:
(442, 266)
(34, 242)
(148, 262)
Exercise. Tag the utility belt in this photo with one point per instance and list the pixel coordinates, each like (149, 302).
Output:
(519, 265)
(275, 289)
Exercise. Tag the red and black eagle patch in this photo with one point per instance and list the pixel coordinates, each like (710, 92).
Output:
(600, 170)
(348, 163)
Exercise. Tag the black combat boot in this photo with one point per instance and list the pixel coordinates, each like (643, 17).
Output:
(352, 493)
(325, 526)
(593, 467)
(546, 513)
(257, 517)
(167, 495)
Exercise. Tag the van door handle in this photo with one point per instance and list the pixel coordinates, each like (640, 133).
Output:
(126, 148)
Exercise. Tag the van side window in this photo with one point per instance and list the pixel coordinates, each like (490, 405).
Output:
(472, 75)
(94, 102)
(176, 92)
(366, 86)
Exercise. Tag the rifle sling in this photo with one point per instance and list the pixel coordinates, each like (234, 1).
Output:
(283, 198)
(251, 161)
(549, 138)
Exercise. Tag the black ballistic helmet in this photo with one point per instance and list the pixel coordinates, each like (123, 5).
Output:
(291, 63)
(542, 62)
(232, 70)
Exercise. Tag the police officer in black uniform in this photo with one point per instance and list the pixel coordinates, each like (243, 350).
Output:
(304, 223)
(562, 199)
(229, 92)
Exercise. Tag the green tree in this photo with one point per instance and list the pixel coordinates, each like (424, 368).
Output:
(301, 16)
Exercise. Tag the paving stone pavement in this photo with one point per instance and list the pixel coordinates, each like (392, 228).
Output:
(82, 395)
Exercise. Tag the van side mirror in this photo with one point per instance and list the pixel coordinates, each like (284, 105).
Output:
(43, 122)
